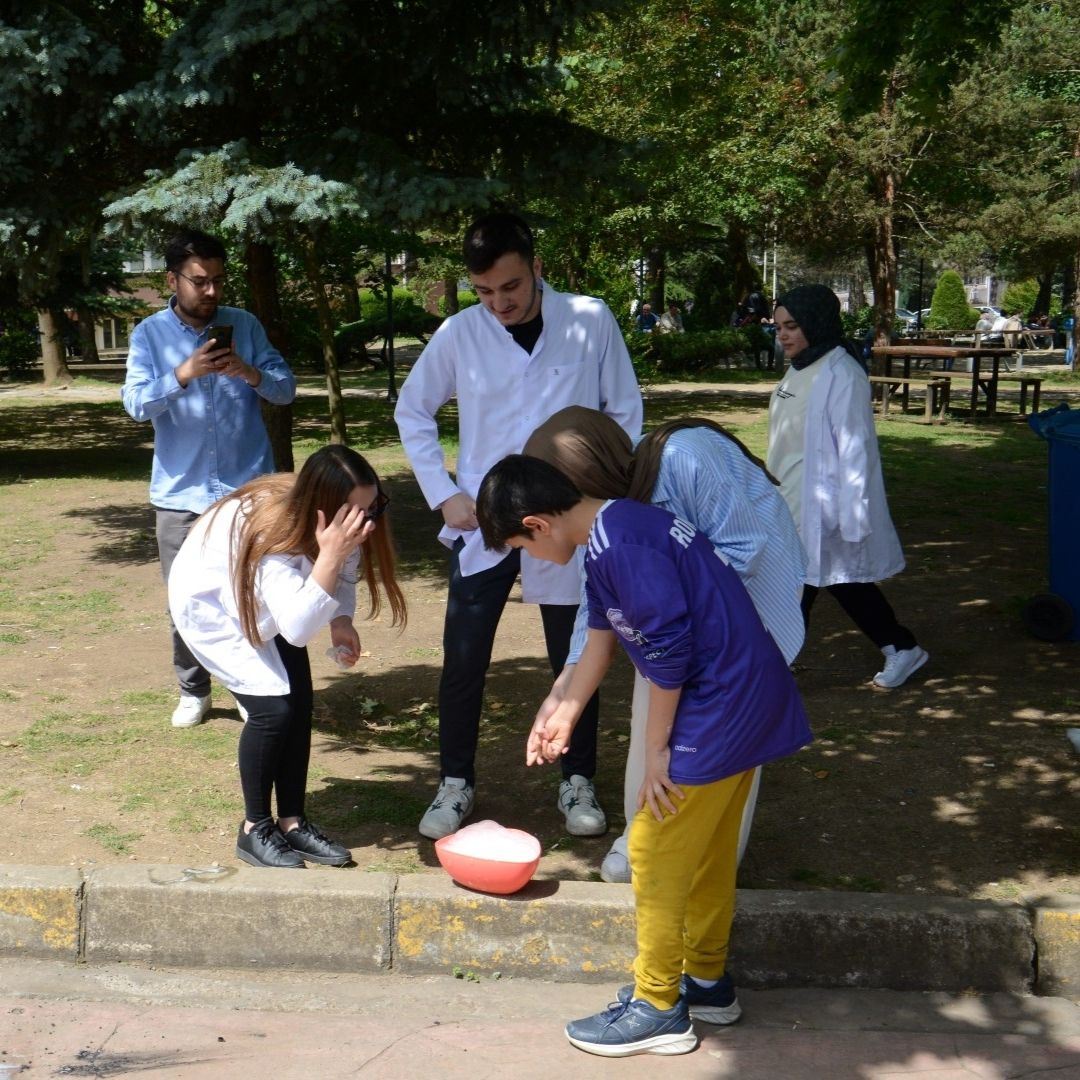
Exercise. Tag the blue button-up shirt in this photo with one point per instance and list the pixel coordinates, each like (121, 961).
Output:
(209, 436)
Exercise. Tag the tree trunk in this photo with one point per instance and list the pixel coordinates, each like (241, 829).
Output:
(1046, 289)
(745, 277)
(88, 336)
(326, 336)
(350, 301)
(266, 304)
(655, 276)
(450, 294)
(1075, 297)
(881, 254)
(53, 364)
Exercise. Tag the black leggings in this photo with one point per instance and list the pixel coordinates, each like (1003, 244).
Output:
(473, 609)
(275, 745)
(868, 609)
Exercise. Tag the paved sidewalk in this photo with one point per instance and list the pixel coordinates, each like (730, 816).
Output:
(58, 1019)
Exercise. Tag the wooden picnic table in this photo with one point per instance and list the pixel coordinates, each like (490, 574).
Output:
(987, 382)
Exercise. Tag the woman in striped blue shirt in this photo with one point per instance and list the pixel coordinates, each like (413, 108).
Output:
(699, 472)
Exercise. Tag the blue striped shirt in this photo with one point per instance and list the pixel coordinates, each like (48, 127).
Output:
(706, 479)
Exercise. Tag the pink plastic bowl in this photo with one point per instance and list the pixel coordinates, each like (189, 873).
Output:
(489, 858)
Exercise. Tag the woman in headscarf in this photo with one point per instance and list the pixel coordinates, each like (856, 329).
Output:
(823, 449)
(694, 469)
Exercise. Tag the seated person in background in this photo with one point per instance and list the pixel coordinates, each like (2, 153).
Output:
(671, 321)
(1010, 330)
(646, 321)
(997, 328)
(985, 324)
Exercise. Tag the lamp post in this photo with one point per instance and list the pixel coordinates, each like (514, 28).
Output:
(391, 389)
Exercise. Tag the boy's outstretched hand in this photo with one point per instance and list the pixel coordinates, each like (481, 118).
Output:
(548, 740)
(655, 788)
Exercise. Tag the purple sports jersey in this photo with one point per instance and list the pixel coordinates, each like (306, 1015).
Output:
(686, 619)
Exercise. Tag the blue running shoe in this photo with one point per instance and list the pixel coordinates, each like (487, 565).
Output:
(634, 1027)
(710, 1004)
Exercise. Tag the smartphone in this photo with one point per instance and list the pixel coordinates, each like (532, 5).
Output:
(221, 336)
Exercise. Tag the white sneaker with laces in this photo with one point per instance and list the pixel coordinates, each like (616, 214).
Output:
(191, 710)
(899, 665)
(584, 815)
(452, 804)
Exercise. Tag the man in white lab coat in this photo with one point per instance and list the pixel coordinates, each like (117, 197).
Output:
(524, 352)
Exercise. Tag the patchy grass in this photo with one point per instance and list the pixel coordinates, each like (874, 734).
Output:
(112, 839)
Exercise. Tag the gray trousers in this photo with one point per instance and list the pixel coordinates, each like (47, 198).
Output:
(172, 527)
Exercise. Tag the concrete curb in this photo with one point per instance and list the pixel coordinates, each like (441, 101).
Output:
(240, 917)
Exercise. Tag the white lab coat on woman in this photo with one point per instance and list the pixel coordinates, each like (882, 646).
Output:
(844, 517)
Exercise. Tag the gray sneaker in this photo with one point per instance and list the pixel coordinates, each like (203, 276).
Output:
(584, 815)
(452, 804)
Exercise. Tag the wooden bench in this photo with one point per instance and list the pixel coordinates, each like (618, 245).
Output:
(1024, 381)
(1019, 381)
(938, 390)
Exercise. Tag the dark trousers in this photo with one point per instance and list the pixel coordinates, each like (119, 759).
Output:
(275, 745)
(866, 606)
(474, 606)
(172, 527)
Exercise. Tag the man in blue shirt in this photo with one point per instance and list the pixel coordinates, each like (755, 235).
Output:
(721, 702)
(203, 400)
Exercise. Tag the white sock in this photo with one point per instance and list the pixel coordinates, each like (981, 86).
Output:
(705, 984)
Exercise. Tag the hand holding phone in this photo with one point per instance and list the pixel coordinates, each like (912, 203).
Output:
(221, 336)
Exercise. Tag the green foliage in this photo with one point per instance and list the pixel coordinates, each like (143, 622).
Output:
(464, 300)
(18, 343)
(411, 319)
(693, 351)
(1021, 296)
(949, 309)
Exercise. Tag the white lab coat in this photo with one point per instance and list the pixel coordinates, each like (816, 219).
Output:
(288, 602)
(845, 524)
(503, 394)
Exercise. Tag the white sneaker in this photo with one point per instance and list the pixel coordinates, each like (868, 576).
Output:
(453, 803)
(191, 710)
(615, 868)
(899, 665)
(584, 815)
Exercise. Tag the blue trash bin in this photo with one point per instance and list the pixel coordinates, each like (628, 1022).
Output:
(1055, 616)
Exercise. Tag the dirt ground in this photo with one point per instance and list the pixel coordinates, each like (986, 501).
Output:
(960, 783)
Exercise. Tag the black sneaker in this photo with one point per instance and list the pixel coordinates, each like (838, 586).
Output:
(265, 846)
(310, 844)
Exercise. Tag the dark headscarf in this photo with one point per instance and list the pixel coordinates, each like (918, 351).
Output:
(817, 311)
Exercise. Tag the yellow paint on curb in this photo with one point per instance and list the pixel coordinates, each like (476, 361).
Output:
(52, 913)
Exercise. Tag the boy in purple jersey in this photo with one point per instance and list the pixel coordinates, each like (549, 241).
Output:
(722, 701)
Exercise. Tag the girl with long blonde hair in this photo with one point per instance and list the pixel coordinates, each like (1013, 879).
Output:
(260, 573)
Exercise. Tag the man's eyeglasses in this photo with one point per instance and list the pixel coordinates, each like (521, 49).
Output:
(378, 507)
(204, 282)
